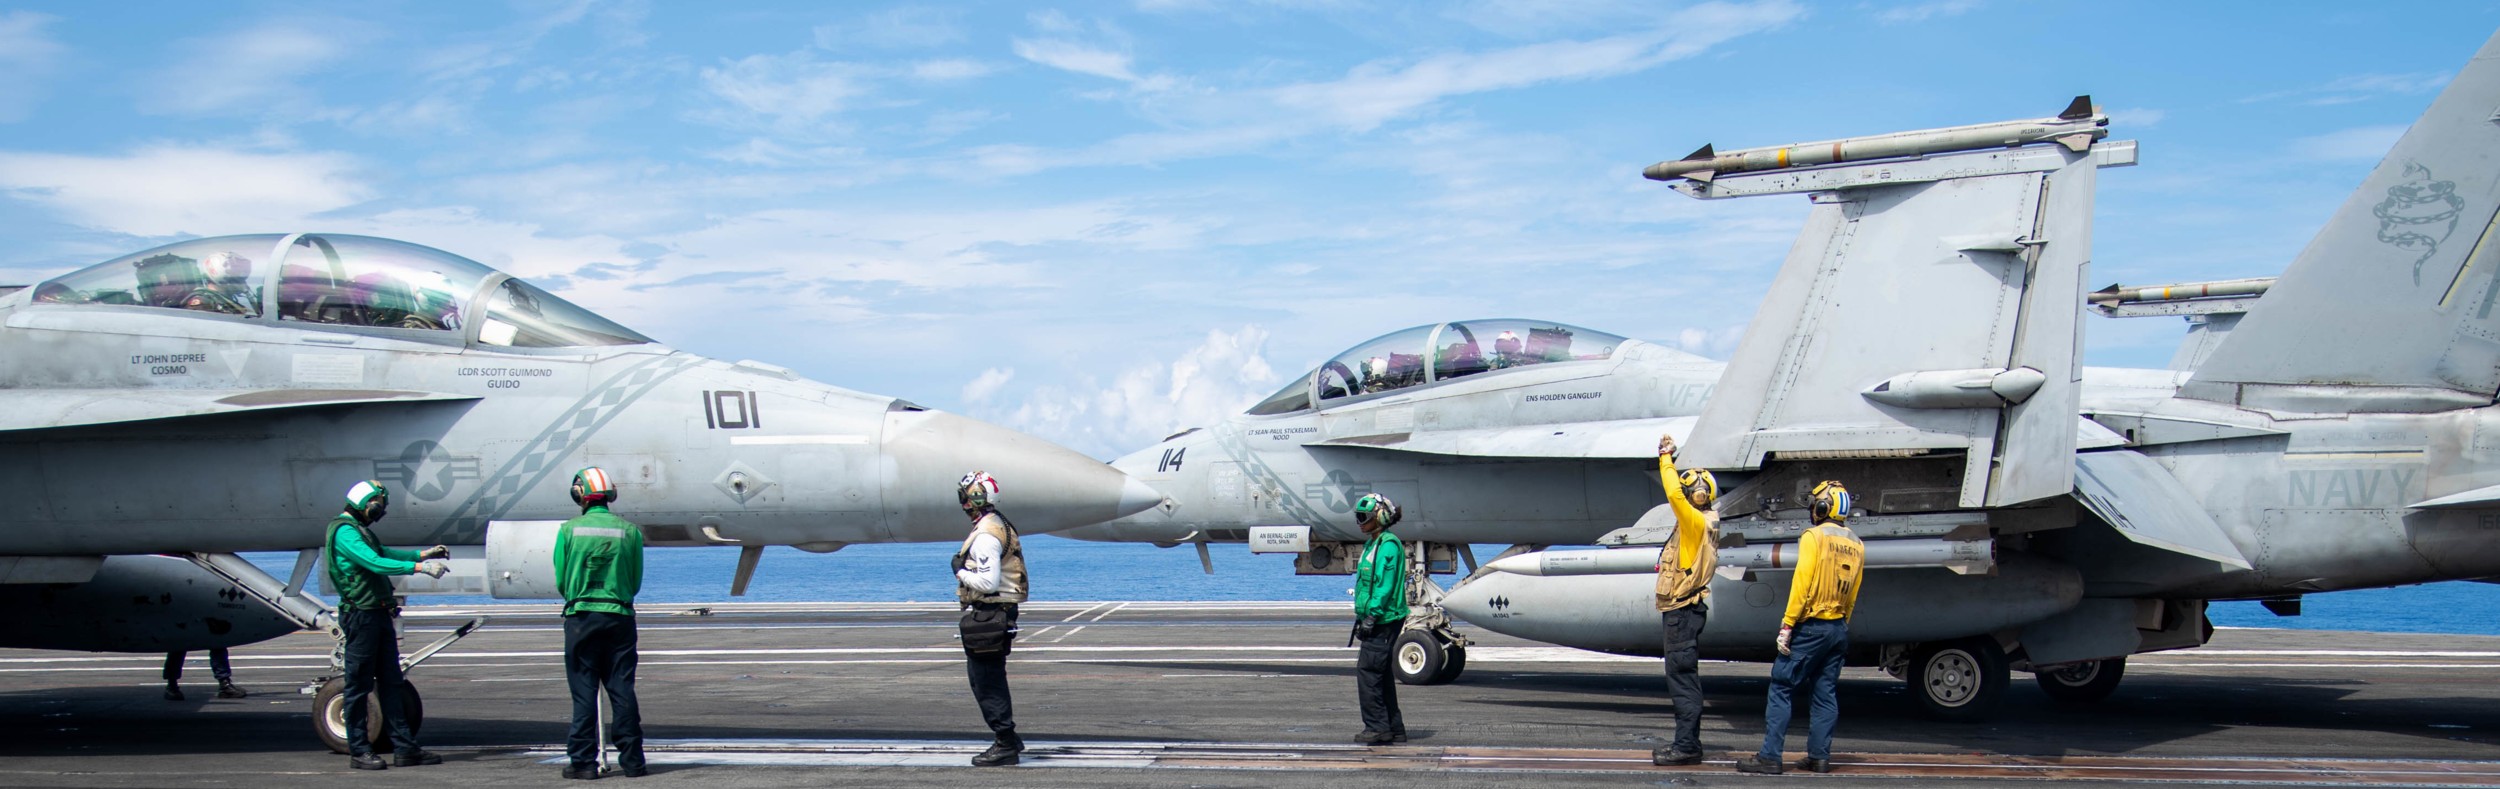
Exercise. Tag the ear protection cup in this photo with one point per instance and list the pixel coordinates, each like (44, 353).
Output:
(1831, 502)
(1700, 486)
(977, 490)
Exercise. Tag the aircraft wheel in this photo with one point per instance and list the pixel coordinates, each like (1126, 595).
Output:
(1420, 659)
(331, 723)
(1959, 680)
(1456, 662)
(2082, 683)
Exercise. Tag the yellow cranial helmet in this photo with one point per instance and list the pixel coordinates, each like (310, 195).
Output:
(1831, 502)
(1700, 486)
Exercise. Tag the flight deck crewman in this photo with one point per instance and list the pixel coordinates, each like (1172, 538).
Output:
(358, 565)
(1380, 579)
(1685, 565)
(599, 569)
(990, 582)
(1814, 634)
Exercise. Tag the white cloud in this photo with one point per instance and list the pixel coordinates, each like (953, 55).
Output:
(1900, 15)
(2355, 144)
(246, 71)
(1072, 56)
(988, 383)
(2360, 87)
(2135, 117)
(1223, 374)
(951, 69)
(905, 27)
(27, 59)
(170, 190)
(788, 91)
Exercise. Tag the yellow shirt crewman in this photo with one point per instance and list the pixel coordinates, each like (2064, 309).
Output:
(1814, 634)
(1685, 565)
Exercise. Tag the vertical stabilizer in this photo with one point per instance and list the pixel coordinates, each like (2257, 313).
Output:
(2393, 305)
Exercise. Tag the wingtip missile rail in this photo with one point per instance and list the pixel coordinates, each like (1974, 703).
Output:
(2076, 128)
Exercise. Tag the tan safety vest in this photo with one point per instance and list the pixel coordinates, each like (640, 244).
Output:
(1011, 581)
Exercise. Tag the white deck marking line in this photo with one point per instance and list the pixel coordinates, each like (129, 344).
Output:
(1072, 617)
(1064, 636)
(1114, 609)
(1038, 633)
(2313, 665)
(2378, 653)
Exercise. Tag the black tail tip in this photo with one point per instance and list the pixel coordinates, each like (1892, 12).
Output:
(2078, 109)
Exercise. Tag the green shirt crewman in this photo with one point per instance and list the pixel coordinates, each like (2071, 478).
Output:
(1380, 588)
(359, 567)
(599, 569)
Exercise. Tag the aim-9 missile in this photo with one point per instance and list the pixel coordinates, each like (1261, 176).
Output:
(2076, 128)
(1961, 556)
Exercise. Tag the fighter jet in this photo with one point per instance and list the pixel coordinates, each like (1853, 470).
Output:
(220, 394)
(1483, 431)
(2333, 429)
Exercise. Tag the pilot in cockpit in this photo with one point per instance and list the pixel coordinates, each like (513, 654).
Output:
(1505, 350)
(222, 289)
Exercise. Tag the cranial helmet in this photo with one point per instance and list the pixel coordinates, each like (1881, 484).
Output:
(1831, 502)
(1700, 486)
(1374, 507)
(591, 486)
(366, 500)
(977, 490)
(223, 266)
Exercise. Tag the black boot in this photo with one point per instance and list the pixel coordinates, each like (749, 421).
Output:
(1665, 756)
(370, 761)
(415, 758)
(1752, 763)
(173, 692)
(1814, 765)
(581, 772)
(226, 690)
(1006, 750)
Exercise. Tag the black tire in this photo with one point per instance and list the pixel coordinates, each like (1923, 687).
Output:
(1419, 659)
(1454, 662)
(330, 721)
(1959, 680)
(2082, 683)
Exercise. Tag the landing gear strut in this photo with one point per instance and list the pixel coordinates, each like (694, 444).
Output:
(1431, 651)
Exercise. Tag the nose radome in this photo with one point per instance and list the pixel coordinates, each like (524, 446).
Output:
(1041, 486)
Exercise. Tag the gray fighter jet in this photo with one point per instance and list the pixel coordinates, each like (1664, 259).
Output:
(2336, 432)
(220, 395)
(1483, 431)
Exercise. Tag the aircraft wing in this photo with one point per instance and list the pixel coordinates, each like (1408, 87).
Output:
(57, 408)
(2476, 499)
(1629, 439)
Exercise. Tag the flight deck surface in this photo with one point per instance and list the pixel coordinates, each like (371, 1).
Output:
(1233, 694)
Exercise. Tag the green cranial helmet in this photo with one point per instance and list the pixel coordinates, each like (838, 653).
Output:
(1376, 508)
(367, 499)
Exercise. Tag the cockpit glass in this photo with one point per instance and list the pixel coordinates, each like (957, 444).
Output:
(364, 281)
(1387, 363)
(205, 275)
(1295, 396)
(1484, 346)
(520, 315)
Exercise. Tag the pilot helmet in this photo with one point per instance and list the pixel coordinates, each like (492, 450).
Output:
(224, 266)
(977, 491)
(1374, 507)
(1830, 502)
(592, 486)
(1700, 486)
(368, 500)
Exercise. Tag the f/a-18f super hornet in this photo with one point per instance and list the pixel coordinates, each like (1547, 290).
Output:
(222, 394)
(1483, 431)
(2333, 429)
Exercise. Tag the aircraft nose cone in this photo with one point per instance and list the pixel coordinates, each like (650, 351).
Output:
(1042, 486)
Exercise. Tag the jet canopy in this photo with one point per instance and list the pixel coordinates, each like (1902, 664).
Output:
(1434, 353)
(310, 281)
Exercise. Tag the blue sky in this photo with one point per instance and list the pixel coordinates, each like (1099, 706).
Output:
(1102, 222)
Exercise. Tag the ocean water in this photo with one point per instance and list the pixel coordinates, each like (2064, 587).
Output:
(1064, 569)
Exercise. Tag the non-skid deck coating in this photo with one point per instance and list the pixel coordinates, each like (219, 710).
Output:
(1238, 694)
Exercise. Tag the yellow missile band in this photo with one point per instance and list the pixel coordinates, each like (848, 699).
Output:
(1782, 158)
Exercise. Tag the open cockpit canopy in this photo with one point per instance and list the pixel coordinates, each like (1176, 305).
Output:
(1435, 353)
(311, 280)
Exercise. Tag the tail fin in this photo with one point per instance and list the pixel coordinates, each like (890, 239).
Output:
(2393, 302)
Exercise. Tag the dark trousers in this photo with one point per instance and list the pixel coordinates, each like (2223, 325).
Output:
(988, 673)
(600, 651)
(372, 658)
(219, 665)
(1375, 685)
(1815, 648)
(1683, 626)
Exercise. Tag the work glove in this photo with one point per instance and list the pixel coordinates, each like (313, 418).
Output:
(437, 567)
(436, 552)
(1783, 642)
(957, 563)
(1666, 446)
